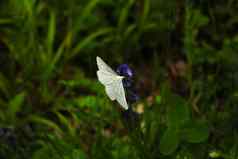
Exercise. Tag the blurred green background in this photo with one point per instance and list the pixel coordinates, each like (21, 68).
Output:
(184, 55)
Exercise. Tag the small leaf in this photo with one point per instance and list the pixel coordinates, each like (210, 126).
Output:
(158, 99)
(78, 154)
(16, 103)
(215, 154)
(86, 101)
(169, 141)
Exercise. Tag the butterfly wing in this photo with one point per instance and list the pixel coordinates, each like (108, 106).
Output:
(110, 91)
(103, 66)
(121, 97)
(115, 91)
(113, 85)
(105, 77)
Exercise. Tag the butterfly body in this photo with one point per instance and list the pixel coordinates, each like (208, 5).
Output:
(112, 82)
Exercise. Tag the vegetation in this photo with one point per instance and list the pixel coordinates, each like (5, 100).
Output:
(183, 55)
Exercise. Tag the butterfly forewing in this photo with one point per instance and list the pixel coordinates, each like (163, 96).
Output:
(106, 78)
(112, 82)
(103, 66)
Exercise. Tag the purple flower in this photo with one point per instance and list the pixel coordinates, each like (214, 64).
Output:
(124, 70)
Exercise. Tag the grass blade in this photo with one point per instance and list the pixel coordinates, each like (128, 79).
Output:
(82, 44)
(51, 32)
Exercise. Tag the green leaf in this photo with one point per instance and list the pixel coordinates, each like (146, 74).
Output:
(169, 141)
(196, 132)
(178, 113)
(86, 101)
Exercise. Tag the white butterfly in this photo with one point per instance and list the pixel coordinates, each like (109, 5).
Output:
(112, 82)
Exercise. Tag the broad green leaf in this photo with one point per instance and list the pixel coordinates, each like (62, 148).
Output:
(196, 132)
(178, 111)
(169, 141)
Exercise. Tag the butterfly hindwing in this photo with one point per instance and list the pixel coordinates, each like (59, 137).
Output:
(111, 91)
(121, 97)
